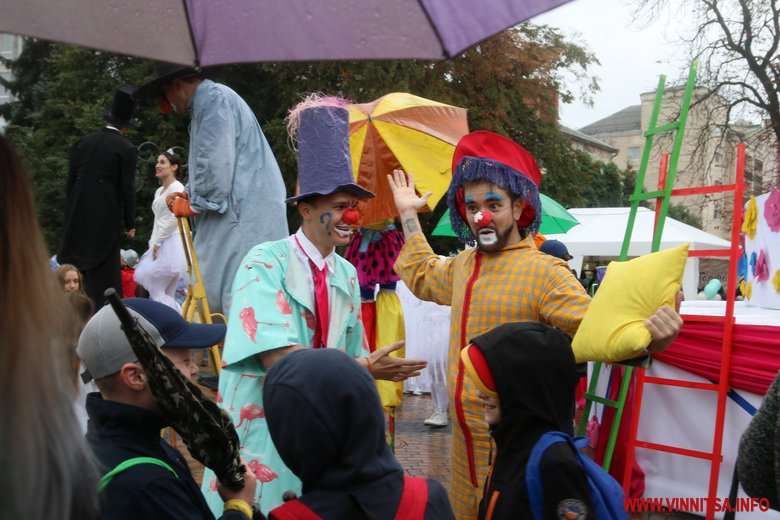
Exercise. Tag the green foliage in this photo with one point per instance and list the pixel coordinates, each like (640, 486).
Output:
(510, 84)
(682, 214)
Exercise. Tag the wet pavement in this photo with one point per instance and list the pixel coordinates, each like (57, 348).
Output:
(423, 451)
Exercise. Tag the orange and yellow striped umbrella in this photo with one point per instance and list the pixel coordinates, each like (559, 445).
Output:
(404, 131)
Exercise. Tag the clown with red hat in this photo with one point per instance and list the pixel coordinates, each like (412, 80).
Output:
(502, 162)
(494, 204)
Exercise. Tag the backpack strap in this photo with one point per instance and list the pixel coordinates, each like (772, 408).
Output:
(533, 473)
(293, 510)
(129, 463)
(414, 499)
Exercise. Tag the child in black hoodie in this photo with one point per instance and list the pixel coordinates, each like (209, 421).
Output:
(526, 375)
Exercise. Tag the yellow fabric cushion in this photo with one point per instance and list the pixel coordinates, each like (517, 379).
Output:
(613, 328)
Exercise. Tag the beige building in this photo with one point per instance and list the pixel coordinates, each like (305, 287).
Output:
(598, 150)
(707, 156)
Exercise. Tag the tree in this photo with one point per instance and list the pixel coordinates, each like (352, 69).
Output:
(736, 43)
(509, 84)
(58, 103)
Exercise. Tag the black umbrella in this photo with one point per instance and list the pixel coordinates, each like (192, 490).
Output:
(206, 430)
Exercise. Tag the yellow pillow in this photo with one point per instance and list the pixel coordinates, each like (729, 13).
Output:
(613, 328)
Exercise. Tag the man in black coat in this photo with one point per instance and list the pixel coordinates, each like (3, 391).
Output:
(101, 199)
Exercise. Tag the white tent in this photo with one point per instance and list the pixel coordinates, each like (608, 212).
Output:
(601, 232)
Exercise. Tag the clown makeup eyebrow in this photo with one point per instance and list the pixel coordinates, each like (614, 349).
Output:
(494, 196)
(469, 199)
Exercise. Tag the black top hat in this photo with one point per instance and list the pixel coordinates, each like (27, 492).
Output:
(121, 112)
(164, 73)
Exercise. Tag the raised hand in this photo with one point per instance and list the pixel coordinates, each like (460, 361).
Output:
(406, 198)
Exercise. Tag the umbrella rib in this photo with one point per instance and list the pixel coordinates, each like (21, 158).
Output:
(195, 50)
(444, 51)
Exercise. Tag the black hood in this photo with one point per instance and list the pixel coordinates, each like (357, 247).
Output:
(535, 375)
(326, 420)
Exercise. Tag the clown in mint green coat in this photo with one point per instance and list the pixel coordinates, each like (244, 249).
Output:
(273, 307)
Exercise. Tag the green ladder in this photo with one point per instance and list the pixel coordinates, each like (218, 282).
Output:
(639, 195)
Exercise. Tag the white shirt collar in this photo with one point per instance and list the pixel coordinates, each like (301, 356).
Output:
(313, 254)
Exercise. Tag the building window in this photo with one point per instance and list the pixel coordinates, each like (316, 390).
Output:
(718, 158)
(5, 95)
(9, 45)
(633, 153)
(716, 213)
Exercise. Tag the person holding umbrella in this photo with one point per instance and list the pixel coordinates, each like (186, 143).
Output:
(494, 201)
(143, 475)
(297, 293)
(235, 191)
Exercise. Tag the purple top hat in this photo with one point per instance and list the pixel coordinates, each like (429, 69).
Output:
(324, 162)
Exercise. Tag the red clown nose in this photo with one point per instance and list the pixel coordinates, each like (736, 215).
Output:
(483, 219)
(351, 216)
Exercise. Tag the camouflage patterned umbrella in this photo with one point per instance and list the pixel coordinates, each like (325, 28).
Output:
(207, 430)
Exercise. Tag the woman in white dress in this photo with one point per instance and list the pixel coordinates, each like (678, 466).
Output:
(162, 265)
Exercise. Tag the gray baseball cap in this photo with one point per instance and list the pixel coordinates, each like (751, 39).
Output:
(104, 348)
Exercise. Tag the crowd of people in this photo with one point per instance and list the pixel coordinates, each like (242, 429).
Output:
(298, 377)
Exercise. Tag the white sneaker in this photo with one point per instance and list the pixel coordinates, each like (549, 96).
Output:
(439, 418)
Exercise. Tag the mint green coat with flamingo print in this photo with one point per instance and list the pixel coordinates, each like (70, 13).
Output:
(273, 307)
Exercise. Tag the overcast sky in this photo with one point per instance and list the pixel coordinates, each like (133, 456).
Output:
(632, 56)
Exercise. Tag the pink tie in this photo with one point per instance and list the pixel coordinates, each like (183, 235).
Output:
(321, 304)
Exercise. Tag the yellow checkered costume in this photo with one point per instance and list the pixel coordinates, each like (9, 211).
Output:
(485, 290)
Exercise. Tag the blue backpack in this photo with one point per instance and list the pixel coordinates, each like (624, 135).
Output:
(606, 495)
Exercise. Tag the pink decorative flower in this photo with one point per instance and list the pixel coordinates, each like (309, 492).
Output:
(762, 269)
(772, 210)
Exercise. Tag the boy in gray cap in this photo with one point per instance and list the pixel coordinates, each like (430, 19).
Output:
(144, 476)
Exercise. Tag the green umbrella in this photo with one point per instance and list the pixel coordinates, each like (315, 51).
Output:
(555, 220)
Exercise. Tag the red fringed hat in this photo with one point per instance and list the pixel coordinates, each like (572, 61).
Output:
(491, 157)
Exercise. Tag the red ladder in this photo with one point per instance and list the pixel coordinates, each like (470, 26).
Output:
(722, 386)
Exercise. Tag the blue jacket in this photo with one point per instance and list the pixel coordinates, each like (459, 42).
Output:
(118, 432)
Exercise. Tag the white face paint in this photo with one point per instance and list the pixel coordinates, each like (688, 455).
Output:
(343, 230)
(487, 237)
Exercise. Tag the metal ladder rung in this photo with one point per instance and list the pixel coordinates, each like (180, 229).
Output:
(699, 318)
(677, 451)
(718, 188)
(663, 129)
(680, 383)
(601, 400)
(647, 195)
(709, 252)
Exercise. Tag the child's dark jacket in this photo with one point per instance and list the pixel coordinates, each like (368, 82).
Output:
(534, 371)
